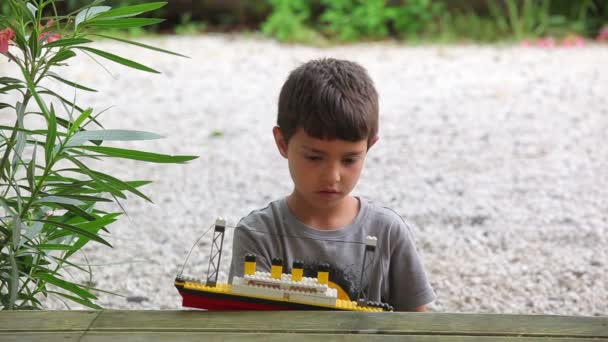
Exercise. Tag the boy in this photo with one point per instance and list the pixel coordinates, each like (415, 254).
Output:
(327, 121)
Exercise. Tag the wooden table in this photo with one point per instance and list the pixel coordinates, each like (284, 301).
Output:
(294, 326)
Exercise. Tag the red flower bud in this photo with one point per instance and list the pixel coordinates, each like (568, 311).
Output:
(5, 36)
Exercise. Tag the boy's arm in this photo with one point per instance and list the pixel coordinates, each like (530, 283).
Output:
(421, 308)
(409, 288)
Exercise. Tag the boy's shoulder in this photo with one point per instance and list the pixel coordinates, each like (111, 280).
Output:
(386, 219)
(269, 213)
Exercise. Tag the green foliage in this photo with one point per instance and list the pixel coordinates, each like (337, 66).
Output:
(351, 20)
(534, 18)
(415, 17)
(48, 193)
(288, 20)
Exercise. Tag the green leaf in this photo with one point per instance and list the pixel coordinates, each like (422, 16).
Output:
(110, 135)
(140, 45)
(61, 56)
(129, 11)
(8, 80)
(83, 116)
(123, 23)
(33, 43)
(76, 230)
(58, 199)
(32, 8)
(103, 186)
(78, 300)
(8, 88)
(86, 198)
(67, 42)
(89, 13)
(53, 247)
(120, 185)
(31, 171)
(118, 59)
(66, 285)
(138, 155)
(95, 226)
(51, 135)
(21, 138)
(62, 99)
(70, 83)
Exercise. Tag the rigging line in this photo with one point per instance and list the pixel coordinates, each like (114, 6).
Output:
(297, 237)
(262, 232)
(191, 249)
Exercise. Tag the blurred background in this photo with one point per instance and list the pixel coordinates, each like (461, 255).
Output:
(317, 21)
(494, 117)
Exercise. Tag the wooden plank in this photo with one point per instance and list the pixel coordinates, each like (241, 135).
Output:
(46, 320)
(38, 337)
(291, 337)
(354, 322)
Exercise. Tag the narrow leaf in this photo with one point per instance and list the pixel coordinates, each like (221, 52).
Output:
(89, 13)
(32, 8)
(76, 230)
(98, 181)
(61, 56)
(21, 136)
(139, 155)
(31, 171)
(118, 59)
(76, 211)
(67, 42)
(53, 247)
(86, 198)
(70, 83)
(8, 80)
(78, 300)
(64, 100)
(58, 199)
(129, 11)
(123, 23)
(50, 138)
(110, 135)
(141, 45)
(83, 116)
(10, 87)
(66, 285)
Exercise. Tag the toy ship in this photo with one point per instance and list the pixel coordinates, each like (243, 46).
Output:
(273, 290)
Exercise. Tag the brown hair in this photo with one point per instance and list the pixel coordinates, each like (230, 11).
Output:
(329, 99)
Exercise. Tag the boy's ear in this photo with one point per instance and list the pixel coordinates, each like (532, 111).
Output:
(279, 140)
(372, 142)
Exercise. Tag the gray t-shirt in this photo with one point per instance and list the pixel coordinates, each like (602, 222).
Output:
(395, 275)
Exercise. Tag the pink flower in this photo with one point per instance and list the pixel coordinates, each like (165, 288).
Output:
(548, 42)
(573, 40)
(47, 35)
(602, 36)
(5, 36)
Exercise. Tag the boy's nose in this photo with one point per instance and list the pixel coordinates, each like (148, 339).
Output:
(332, 174)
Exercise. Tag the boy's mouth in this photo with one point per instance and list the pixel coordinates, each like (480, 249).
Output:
(329, 192)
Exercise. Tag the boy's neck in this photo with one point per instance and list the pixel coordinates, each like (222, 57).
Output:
(331, 218)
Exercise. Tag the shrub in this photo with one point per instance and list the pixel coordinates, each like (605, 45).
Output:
(49, 196)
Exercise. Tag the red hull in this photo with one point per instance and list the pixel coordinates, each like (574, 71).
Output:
(225, 304)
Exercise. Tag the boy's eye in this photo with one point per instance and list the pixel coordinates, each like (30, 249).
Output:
(349, 161)
(313, 158)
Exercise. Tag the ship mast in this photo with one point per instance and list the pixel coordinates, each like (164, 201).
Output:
(370, 248)
(216, 252)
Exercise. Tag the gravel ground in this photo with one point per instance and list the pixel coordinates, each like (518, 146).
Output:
(497, 154)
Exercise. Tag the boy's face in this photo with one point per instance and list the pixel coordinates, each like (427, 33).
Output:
(324, 172)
